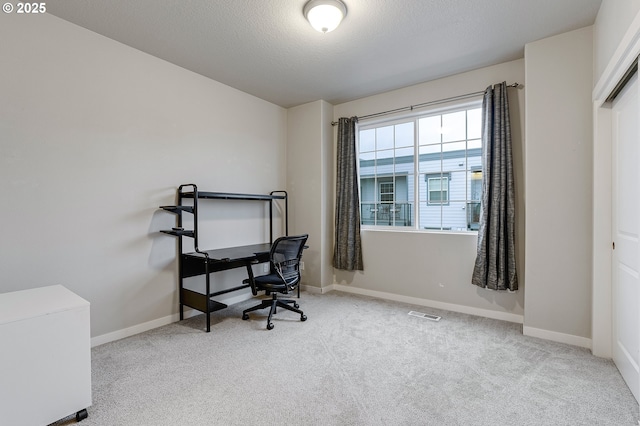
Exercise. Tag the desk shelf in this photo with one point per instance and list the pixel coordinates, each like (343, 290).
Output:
(204, 262)
(231, 196)
(178, 209)
(198, 301)
(180, 233)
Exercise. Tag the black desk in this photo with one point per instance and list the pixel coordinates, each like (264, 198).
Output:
(203, 262)
(207, 261)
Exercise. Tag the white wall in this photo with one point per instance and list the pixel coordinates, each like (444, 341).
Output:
(558, 160)
(94, 136)
(613, 20)
(429, 267)
(309, 181)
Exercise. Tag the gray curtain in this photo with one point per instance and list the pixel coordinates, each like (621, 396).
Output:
(347, 251)
(495, 266)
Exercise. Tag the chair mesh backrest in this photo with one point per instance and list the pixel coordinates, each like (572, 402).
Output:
(286, 253)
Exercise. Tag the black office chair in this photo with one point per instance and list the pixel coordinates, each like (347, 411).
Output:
(284, 277)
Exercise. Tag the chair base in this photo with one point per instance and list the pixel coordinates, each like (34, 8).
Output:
(273, 304)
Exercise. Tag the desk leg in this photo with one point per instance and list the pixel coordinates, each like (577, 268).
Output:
(208, 292)
(180, 297)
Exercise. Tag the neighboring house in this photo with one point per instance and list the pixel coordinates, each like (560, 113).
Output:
(388, 197)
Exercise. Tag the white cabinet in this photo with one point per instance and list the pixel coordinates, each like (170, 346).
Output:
(45, 356)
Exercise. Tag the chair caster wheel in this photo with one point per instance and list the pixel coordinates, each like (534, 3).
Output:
(295, 305)
(245, 317)
(303, 317)
(269, 326)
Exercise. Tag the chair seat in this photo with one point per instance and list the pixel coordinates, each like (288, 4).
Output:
(271, 282)
(269, 279)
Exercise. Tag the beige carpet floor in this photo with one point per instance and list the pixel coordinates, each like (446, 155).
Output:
(355, 361)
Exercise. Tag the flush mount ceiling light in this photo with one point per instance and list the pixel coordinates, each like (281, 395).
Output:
(324, 15)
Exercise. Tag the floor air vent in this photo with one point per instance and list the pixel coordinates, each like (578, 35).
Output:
(425, 316)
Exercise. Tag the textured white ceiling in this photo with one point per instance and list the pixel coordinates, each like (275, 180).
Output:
(268, 49)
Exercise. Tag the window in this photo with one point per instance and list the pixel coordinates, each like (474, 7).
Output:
(437, 189)
(386, 192)
(422, 172)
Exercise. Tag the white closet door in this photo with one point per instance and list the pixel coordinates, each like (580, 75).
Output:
(626, 235)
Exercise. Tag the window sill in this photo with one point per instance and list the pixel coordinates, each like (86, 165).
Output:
(407, 230)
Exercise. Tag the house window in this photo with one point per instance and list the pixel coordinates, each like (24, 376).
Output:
(422, 171)
(386, 192)
(437, 189)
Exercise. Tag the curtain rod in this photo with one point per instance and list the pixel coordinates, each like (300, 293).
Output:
(424, 104)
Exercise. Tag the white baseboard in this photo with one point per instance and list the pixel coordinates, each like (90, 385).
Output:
(138, 328)
(554, 336)
(316, 290)
(503, 316)
(487, 313)
(150, 325)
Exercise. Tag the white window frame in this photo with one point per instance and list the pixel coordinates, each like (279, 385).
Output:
(440, 177)
(414, 117)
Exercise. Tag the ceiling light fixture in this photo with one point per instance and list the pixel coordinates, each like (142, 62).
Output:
(324, 15)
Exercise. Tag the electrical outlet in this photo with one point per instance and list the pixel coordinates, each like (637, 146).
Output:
(302, 266)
